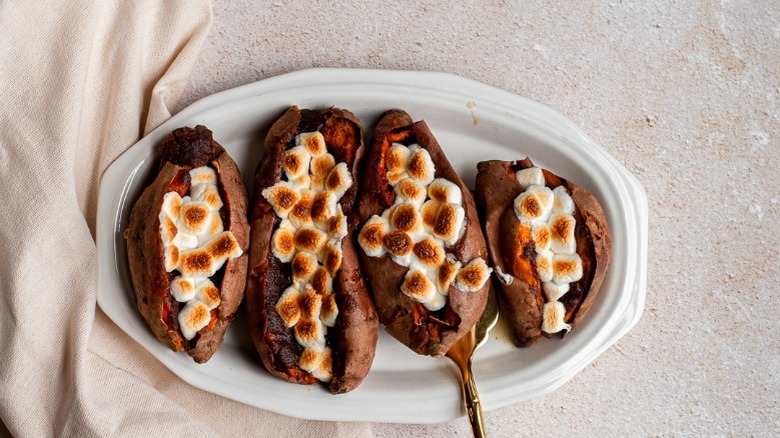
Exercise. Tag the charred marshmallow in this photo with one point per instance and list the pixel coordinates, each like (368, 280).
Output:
(427, 217)
(550, 215)
(309, 238)
(196, 245)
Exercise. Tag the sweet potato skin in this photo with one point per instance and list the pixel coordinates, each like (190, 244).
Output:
(403, 318)
(355, 336)
(522, 299)
(181, 151)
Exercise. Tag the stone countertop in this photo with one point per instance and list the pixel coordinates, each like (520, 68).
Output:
(686, 95)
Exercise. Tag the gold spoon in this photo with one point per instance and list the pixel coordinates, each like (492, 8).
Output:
(462, 352)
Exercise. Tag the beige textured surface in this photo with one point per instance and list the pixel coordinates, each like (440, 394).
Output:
(684, 94)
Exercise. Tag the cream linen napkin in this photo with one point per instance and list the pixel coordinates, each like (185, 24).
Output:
(82, 80)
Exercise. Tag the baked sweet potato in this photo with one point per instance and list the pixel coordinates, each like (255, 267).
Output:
(310, 316)
(186, 244)
(423, 253)
(549, 242)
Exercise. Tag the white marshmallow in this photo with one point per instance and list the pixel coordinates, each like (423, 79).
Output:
(171, 205)
(552, 321)
(546, 197)
(544, 265)
(192, 318)
(562, 240)
(183, 289)
(214, 227)
(337, 225)
(503, 276)
(394, 178)
(208, 194)
(436, 302)
(310, 333)
(301, 183)
(168, 229)
(562, 203)
(195, 218)
(208, 294)
(445, 191)
(566, 268)
(314, 142)
(409, 190)
(339, 180)
(397, 157)
(532, 176)
(282, 242)
(372, 234)
(171, 258)
(295, 162)
(553, 291)
(420, 166)
(282, 196)
(185, 241)
(310, 360)
(540, 233)
(324, 371)
(428, 212)
(287, 307)
(330, 311)
(202, 175)
(529, 207)
(322, 166)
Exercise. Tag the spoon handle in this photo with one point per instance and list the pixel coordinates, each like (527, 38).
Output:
(473, 405)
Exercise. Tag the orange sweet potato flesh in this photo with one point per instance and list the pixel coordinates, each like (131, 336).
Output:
(185, 149)
(353, 340)
(425, 332)
(513, 251)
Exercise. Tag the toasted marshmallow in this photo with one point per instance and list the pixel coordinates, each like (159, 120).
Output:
(329, 311)
(196, 263)
(545, 195)
(544, 265)
(323, 208)
(473, 276)
(394, 178)
(529, 207)
(324, 371)
(193, 317)
(428, 212)
(222, 247)
(215, 227)
(207, 194)
(283, 243)
(533, 176)
(185, 241)
(429, 253)
(314, 142)
(337, 225)
(310, 333)
(503, 276)
(322, 166)
(552, 320)
(420, 166)
(449, 223)
(372, 235)
(183, 289)
(553, 291)
(207, 293)
(540, 232)
(437, 302)
(444, 191)
(309, 239)
(171, 258)
(339, 180)
(171, 205)
(310, 359)
(303, 266)
(282, 196)
(311, 303)
(406, 218)
(397, 157)
(567, 268)
(321, 281)
(562, 202)
(562, 240)
(331, 257)
(202, 175)
(445, 275)
(300, 215)
(399, 245)
(295, 162)
(168, 229)
(301, 183)
(288, 308)
(418, 286)
(410, 191)
(316, 183)
(194, 217)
